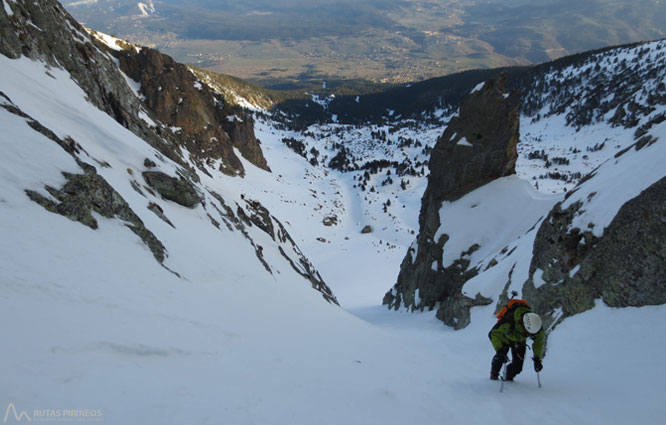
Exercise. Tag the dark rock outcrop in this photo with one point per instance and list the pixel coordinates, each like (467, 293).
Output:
(477, 147)
(178, 190)
(258, 215)
(205, 124)
(625, 267)
(253, 213)
(88, 192)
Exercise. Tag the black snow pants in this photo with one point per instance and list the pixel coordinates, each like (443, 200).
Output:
(517, 358)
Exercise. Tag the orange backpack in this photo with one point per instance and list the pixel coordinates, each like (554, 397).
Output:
(511, 306)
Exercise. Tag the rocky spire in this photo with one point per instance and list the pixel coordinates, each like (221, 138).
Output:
(478, 146)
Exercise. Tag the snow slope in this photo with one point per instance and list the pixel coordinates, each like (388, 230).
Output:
(92, 322)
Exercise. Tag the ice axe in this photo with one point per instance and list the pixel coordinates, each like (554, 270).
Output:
(537, 372)
(503, 376)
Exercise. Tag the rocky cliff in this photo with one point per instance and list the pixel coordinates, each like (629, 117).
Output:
(478, 146)
(625, 267)
(202, 120)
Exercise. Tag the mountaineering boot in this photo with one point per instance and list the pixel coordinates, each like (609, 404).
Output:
(496, 365)
(511, 371)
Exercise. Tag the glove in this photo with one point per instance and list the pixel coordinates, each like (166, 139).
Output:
(537, 364)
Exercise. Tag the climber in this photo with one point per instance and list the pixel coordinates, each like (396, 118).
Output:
(516, 323)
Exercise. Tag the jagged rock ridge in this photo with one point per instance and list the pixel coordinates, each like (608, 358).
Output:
(188, 113)
(46, 33)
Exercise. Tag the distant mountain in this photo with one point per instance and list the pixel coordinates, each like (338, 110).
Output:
(381, 41)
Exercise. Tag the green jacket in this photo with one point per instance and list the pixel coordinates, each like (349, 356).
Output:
(512, 332)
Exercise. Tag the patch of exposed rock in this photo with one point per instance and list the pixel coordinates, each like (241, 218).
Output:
(88, 192)
(258, 215)
(178, 190)
(572, 268)
(478, 146)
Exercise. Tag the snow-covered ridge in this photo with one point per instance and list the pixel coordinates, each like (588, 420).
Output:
(621, 86)
(256, 102)
(578, 112)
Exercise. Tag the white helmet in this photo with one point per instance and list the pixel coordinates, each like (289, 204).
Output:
(532, 322)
